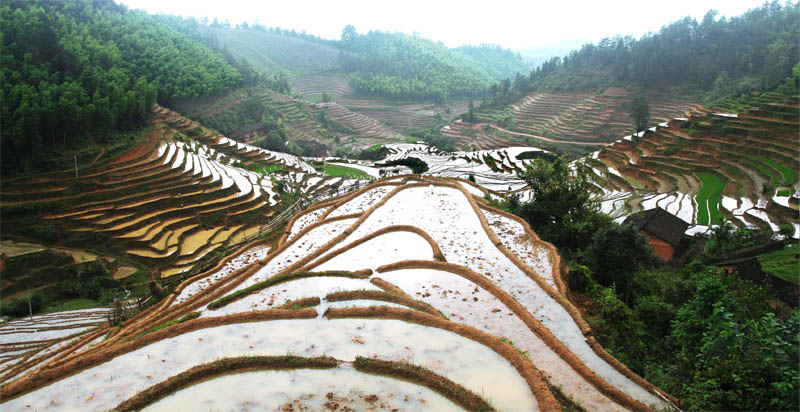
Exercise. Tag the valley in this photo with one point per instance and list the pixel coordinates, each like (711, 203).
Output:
(196, 215)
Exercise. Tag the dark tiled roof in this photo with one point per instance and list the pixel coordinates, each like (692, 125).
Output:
(246, 129)
(660, 223)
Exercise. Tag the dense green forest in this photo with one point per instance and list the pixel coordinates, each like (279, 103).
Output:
(71, 67)
(400, 66)
(257, 51)
(709, 59)
(715, 341)
(497, 62)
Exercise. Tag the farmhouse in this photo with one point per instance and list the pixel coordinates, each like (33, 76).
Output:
(664, 230)
(248, 133)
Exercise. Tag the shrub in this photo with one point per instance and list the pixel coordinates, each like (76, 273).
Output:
(19, 307)
(417, 166)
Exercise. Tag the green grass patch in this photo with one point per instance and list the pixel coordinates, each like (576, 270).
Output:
(411, 139)
(265, 170)
(765, 171)
(315, 98)
(789, 176)
(343, 171)
(783, 263)
(708, 199)
(73, 304)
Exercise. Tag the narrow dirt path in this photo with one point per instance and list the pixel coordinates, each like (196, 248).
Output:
(547, 139)
(102, 151)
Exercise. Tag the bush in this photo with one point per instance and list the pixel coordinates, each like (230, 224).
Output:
(417, 166)
(19, 307)
(580, 278)
(376, 152)
(44, 232)
(616, 254)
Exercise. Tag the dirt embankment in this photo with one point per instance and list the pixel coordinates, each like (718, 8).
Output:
(44, 377)
(532, 376)
(218, 368)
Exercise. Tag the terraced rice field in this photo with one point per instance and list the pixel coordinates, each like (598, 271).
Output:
(708, 168)
(361, 125)
(588, 117)
(28, 342)
(411, 293)
(470, 136)
(173, 202)
(396, 117)
(494, 170)
(708, 199)
(313, 85)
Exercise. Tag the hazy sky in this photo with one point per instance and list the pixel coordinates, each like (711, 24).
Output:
(514, 24)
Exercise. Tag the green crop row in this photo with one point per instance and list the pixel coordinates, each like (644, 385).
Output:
(789, 176)
(708, 199)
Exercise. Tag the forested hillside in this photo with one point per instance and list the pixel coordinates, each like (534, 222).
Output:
(497, 62)
(72, 67)
(278, 54)
(400, 66)
(708, 59)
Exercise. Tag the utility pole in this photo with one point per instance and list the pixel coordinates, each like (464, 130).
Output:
(76, 166)
(30, 308)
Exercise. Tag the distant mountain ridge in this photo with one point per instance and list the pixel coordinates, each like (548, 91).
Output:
(711, 59)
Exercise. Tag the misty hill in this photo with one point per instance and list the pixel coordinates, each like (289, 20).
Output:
(709, 59)
(497, 62)
(275, 53)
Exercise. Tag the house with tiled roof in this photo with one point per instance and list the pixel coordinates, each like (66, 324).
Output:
(663, 230)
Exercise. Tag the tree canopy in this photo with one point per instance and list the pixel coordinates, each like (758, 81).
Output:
(639, 111)
(562, 210)
(400, 66)
(74, 66)
(718, 56)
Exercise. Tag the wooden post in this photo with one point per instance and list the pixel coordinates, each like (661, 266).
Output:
(30, 308)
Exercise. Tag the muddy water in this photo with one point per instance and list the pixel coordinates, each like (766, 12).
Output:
(112, 219)
(245, 258)
(157, 229)
(150, 254)
(464, 302)
(299, 249)
(176, 234)
(305, 220)
(463, 361)
(194, 241)
(174, 270)
(132, 222)
(12, 248)
(241, 235)
(362, 202)
(195, 258)
(224, 234)
(513, 236)
(382, 250)
(138, 232)
(306, 389)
